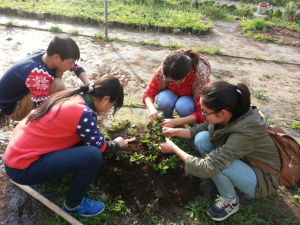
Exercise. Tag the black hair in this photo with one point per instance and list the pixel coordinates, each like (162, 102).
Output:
(105, 86)
(178, 64)
(221, 95)
(65, 47)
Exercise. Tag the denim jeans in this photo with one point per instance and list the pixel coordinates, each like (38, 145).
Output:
(167, 100)
(82, 162)
(238, 174)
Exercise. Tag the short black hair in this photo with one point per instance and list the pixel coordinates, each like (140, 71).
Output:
(65, 47)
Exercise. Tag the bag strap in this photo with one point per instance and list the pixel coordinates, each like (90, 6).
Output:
(263, 166)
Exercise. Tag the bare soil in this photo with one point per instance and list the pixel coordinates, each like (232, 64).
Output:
(135, 65)
(289, 36)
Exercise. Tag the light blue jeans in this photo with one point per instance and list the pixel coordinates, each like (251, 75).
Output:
(238, 174)
(167, 100)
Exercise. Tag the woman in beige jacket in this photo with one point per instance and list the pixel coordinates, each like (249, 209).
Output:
(233, 130)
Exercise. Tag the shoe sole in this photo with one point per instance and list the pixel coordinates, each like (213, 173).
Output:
(224, 218)
(84, 215)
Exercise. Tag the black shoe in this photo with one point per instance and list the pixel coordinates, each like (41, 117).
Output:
(222, 209)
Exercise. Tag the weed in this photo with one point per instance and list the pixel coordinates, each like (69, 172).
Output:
(55, 29)
(132, 131)
(99, 36)
(260, 96)
(10, 23)
(73, 32)
(296, 125)
(210, 50)
(151, 43)
(148, 216)
(267, 76)
(258, 24)
(112, 39)
(280, 61)
(271, 122)
(193, 210)
(174, 45)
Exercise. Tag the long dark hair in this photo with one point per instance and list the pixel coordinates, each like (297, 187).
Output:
(223, 95)
(178, 64)
(105, 86)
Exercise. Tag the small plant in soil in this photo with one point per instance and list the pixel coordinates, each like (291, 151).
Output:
(296, 125)
(260, 96)
(137, 158)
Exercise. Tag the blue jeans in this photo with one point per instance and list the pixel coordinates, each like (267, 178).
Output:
(167, 100)
(83, 162)
(238, 174)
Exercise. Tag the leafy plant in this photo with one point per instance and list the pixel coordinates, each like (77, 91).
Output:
(193, 210)
(137, 158)
(151, 160)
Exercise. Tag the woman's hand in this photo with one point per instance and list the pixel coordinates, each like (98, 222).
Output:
(169, 123)
(168, 147)
(169, 132)
(153, 115)
(122, 142)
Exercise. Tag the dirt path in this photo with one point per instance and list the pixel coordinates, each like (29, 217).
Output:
(135, 64)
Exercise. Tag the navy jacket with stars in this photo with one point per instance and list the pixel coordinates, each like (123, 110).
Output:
(29, 75)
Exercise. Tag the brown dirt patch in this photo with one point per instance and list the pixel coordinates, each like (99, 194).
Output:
(289, 36)
(141, 183)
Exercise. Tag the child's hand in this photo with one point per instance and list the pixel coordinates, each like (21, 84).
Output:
(123, 143)
(169, 132)
(167, 147)
(169, 123)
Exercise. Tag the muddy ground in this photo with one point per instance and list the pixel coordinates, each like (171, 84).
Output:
(135, 65)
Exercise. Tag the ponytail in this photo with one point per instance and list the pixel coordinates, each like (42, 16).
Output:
(105, 86)
(223, 95)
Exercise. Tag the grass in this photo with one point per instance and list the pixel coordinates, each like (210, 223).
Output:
(255, 28)
(128, 12)
(296, 125)
(73, 32)
(174, 45)
(210, 50)
(150, 43)
(271, 2)
(10, 23)
(55, 29)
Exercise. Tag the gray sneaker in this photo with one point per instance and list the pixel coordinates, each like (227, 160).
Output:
(222, 209)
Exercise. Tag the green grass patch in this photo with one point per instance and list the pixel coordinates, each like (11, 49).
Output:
(258, 24)
(174, 45)
(55, 29)
(127, 12)
(10, 23)
(150, 43)
(73, 32)
(210, 50)
(296, 125)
